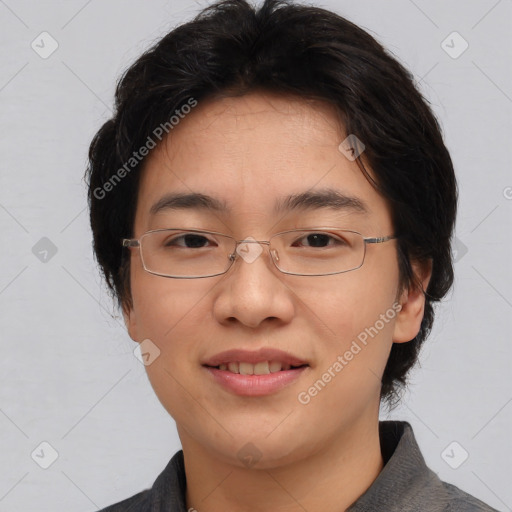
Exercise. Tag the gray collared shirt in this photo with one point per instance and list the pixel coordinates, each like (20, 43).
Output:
(405, 484)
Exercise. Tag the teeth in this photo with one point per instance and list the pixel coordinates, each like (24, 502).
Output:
(261, 368)
(246, 369)
(233, 367)
(275, 366)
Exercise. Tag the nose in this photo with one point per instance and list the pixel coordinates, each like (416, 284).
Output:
(253, 291)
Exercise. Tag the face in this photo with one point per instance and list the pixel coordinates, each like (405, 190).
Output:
(250, 153)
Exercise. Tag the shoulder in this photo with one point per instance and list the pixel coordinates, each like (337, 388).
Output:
(407, 484)
(136, 503)
(460, 501)
(167, 492)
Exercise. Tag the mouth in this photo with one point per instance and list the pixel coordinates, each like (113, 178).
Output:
(256, 373)
(260, 368)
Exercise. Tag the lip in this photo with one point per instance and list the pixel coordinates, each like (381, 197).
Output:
(253, 356)
(255, 385)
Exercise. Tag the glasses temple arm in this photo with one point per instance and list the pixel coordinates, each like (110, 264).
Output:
(130, 242)
(380, 239)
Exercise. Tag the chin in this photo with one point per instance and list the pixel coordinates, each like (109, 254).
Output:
(258, 452)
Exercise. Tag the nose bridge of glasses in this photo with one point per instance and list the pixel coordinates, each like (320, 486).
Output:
(244, 250)
(251, 240)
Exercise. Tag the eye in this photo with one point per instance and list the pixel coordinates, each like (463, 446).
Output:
(320, 240)
(188, 241)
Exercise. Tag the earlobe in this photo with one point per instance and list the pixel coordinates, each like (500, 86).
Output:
(412, 302)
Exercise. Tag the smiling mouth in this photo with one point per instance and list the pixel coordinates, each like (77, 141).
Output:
(260, 368)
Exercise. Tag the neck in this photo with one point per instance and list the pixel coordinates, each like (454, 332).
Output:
(330, 479)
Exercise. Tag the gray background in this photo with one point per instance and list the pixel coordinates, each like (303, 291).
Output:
(68, 373)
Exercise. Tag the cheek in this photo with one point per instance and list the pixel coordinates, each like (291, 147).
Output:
(343, 305)
(159, 303)
(170, 312)
(347, 380)
(359, 319)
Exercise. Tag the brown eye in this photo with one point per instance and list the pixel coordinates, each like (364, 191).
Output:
(189, 241)
(320, 240)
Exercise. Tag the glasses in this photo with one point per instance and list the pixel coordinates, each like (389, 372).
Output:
(194, 253)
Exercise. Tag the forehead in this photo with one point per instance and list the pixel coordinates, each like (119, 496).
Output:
(257, 153)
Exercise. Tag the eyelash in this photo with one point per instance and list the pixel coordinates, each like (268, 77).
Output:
(173, 240)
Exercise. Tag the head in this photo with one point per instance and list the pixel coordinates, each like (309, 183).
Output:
(249, 106)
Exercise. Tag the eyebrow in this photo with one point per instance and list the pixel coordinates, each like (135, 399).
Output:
(191, 201)
(306, 201)
(324, 198)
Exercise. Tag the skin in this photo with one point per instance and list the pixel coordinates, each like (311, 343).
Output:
(250, 151)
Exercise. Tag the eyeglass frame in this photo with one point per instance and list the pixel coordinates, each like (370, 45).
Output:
(136, 243)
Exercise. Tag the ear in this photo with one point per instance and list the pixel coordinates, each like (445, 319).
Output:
(412, 300)
(130, 321)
